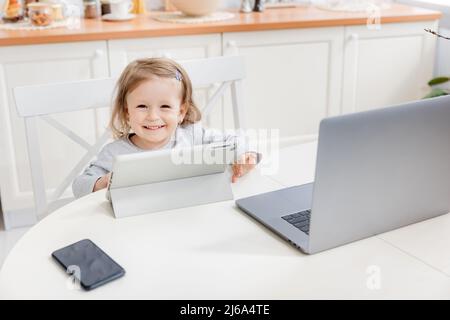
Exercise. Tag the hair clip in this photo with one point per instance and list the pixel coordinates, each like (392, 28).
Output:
(178, 75)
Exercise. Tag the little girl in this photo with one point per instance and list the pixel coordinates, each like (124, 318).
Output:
(153, 109)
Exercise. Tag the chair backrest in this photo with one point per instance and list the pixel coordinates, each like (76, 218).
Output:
(33, 103)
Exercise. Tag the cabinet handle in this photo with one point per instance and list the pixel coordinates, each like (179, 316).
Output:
(231, 44)
(231, 48)
(354, 37)
(98, 54)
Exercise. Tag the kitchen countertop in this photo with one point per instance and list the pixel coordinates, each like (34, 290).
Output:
(271, 19)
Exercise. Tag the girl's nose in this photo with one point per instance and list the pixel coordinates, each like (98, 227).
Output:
(152, 114)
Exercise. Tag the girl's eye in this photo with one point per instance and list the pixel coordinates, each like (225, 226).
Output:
(165, 106)
(141, 106)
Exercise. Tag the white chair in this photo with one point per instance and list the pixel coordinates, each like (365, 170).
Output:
(33, 103)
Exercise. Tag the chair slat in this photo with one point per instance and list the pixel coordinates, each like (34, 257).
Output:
(38, 100)
(218, 69)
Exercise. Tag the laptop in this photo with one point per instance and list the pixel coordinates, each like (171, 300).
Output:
(375, 171)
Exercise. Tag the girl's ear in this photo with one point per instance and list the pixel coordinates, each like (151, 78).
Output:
(127, 114)
(183, 111)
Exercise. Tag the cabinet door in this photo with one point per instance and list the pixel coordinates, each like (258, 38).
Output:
(292, 78)
(386, 66)
(121, 52)
(39, 64)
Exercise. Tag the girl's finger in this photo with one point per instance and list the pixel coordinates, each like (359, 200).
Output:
(236, 169)
(251, 167)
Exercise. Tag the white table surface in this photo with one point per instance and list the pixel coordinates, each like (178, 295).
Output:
(216, 252)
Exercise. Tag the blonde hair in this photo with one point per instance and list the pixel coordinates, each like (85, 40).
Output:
(139, 71)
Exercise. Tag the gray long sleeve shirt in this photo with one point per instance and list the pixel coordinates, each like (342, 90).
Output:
(183, 137)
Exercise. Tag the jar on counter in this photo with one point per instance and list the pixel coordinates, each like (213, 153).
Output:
(91, 9)
(40, 14)
(57, 11)
(13, 11)
(58, 8)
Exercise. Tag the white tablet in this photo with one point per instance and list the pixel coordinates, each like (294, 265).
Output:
(170, 178)
(170, 164)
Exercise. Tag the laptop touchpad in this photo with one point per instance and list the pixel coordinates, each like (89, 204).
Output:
(279, 203)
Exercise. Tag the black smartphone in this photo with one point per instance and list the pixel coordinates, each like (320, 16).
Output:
(88, 263)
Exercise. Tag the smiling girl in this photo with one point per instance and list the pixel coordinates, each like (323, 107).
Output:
(154, 109)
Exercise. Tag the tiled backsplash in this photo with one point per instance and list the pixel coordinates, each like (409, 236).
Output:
(442, 66)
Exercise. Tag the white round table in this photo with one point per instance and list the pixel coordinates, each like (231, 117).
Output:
(211, 251)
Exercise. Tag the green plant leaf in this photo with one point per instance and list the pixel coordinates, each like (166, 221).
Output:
(436, 92)
(438, 80)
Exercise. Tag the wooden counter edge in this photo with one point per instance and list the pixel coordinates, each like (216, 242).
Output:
(196, 30)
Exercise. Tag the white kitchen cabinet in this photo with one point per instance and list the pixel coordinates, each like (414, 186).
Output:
(121, 52)
(293, 78)
(387, 66)
(38, 64)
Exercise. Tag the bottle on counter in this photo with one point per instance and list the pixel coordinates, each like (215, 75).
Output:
(92, 9)
(246, 6)
(57, 11)
(105, 7)
(139, 7)
(13, 11)
(259, 6)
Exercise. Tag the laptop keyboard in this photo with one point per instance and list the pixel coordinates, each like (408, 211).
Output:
(300, 220)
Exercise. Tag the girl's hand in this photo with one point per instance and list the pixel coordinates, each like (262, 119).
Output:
(245, 163)
(102, 182)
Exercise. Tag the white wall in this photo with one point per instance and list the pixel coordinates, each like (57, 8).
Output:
(443, 55)
(442, 66)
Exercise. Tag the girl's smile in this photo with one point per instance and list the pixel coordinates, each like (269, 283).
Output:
(153, 128)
